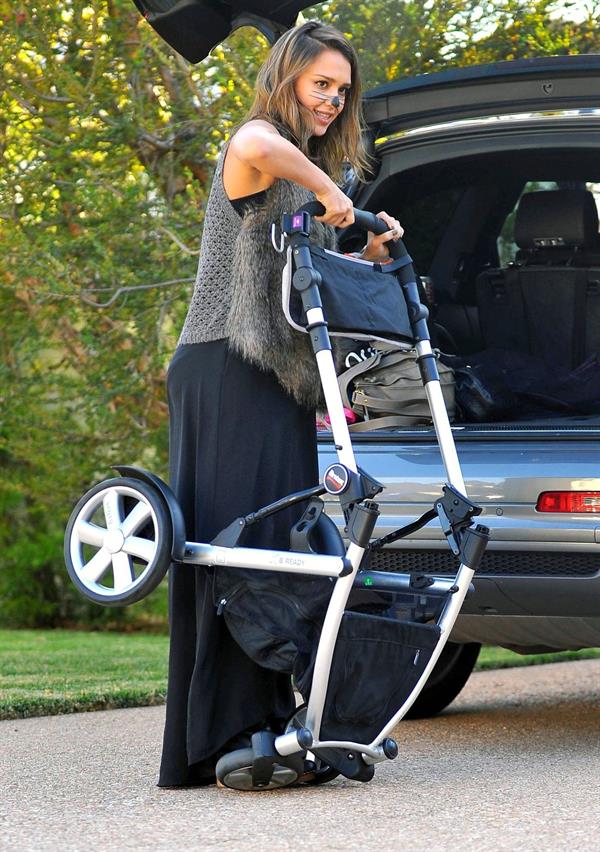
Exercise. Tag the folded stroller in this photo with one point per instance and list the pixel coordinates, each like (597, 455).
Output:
(359, 644)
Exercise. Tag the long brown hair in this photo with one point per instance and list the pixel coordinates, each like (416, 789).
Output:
(276, 102)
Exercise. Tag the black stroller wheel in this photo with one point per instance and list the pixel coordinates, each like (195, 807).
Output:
(319, 772)
(234, 770)
(118, 542)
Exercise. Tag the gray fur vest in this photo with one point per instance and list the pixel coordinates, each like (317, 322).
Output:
(256, 325)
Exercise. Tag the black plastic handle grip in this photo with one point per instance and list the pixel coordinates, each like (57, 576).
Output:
(365, 220)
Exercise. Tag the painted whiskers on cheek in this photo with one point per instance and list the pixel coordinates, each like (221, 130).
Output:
(336, 101)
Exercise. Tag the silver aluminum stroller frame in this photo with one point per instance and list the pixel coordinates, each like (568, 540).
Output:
(135, 520)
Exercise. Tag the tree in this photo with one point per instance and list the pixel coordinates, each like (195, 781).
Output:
(108, 143)
(396, 39)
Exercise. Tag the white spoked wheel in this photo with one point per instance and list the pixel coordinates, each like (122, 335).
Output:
(118, 542)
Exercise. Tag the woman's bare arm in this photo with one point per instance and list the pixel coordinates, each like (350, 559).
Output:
(260, 155)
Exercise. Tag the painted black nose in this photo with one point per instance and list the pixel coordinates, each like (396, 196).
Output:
(335, 102)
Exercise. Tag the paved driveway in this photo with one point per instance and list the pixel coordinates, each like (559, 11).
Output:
(514, 765)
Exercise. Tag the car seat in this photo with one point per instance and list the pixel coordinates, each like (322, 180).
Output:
(547, 303)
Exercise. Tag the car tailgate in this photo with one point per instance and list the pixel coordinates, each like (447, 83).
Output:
(504, 473)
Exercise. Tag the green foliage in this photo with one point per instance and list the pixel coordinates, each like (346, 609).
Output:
(107, 146)
(396, 39)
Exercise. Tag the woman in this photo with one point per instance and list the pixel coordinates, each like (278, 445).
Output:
(242, 400)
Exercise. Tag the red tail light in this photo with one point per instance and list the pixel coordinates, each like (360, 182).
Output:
(569, 501)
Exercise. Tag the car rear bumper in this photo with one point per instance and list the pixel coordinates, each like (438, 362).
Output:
(539, 569)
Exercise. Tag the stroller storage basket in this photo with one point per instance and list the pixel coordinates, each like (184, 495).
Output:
(276, 621)
(376, 663)
(361, 300)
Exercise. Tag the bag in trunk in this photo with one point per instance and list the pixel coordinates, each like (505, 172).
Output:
(386, 390)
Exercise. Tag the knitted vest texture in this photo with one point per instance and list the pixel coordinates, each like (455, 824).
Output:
(211, 298)
(238, 286)
(256, 325)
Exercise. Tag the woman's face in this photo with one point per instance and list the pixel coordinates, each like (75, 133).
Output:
(323, 87)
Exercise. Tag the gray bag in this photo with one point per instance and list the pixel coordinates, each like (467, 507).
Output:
(388, 391)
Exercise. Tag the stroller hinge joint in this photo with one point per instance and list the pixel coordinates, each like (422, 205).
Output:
(347, 568)
(361, 521)
(231, 535)
(360, 486)
(455, 512)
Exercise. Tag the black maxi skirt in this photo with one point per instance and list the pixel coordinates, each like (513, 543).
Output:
(237, 442)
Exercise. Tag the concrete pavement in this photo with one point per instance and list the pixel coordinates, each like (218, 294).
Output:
(515, 764)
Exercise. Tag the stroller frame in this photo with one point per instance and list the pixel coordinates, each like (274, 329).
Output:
(355, 489)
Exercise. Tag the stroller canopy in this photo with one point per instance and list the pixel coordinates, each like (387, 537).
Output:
(194, 27)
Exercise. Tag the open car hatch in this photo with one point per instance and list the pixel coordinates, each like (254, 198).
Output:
(194, 27)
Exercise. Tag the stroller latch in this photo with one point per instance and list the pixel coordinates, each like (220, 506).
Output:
(361, 521)
(473, 545)
(420, 581)
(455, 512)
(296, 223)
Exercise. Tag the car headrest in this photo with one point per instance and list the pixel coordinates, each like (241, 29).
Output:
(559, 218)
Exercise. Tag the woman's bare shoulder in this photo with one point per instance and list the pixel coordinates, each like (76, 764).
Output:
(240, 178)
(255, 128)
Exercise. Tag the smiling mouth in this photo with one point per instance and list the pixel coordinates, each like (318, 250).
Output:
(324, 116)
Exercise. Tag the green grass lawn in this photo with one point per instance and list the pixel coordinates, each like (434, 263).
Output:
(44, 672)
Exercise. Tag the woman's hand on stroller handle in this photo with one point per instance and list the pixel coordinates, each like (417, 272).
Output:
(366, 221)
(381, 243)
(335, 208)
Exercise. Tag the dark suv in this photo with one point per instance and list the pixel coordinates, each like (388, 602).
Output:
(494, 172)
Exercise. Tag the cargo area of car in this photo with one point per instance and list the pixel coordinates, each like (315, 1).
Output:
(505, 240)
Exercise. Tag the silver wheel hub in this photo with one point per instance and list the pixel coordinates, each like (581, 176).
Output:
(114, 541)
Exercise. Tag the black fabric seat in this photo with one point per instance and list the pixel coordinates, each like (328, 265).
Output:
(548, 302)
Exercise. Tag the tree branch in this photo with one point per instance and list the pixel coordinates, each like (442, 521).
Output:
(178, 242)
(120, 290)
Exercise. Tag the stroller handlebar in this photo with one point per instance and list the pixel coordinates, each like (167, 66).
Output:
(365, 220)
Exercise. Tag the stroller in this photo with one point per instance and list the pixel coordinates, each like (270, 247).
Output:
(359, 644)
